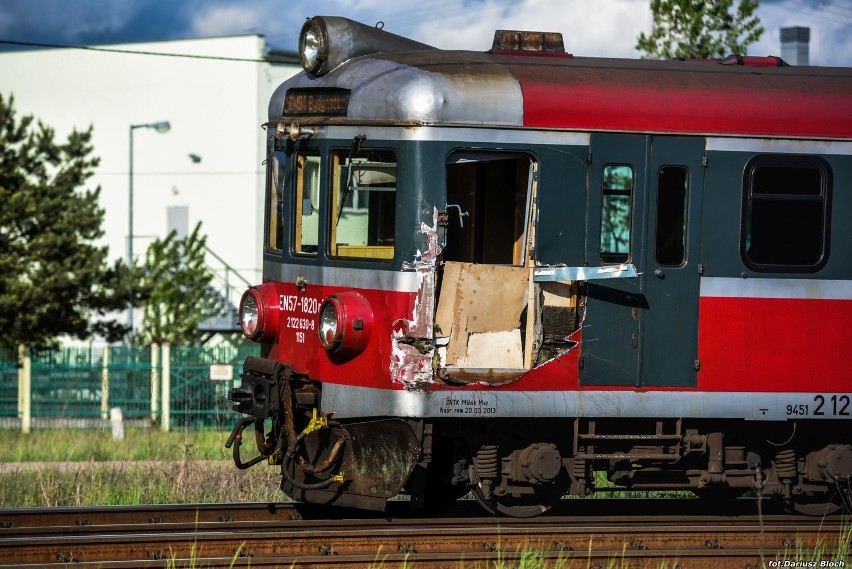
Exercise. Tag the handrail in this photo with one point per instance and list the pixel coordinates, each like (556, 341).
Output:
(227, 266)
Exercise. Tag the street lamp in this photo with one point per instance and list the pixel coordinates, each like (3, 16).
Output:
(162, 126)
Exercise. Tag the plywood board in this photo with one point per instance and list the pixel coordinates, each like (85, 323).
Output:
(478, 299)
(445, 314)
(493, 297)
(494, 350)
(558, 294)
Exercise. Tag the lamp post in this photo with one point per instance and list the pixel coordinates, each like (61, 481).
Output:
(162, 127)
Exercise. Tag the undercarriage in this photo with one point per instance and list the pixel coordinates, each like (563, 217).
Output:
(521, 467)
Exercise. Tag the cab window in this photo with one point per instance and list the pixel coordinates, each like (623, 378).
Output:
(274, 205)
(307, 204)
(363, 215)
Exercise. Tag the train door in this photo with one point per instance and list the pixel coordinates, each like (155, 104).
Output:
(485, 267)
(614, 238)
(671, 262)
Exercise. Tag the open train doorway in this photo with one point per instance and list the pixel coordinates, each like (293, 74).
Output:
(485, 267)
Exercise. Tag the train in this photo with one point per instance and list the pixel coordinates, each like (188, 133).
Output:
(523, 275)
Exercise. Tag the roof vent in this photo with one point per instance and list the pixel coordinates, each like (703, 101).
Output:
(753, 61)
(511, 42)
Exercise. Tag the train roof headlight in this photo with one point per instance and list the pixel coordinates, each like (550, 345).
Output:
(326, 42)
(313, 45)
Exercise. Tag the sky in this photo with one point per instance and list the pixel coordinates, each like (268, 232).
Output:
(606, 28)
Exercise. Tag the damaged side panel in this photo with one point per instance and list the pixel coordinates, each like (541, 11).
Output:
(413, 340)
(484, 312)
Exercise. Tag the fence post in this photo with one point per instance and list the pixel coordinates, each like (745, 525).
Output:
(167, 387)
(25, 388)
(105, 385)
(155, 380)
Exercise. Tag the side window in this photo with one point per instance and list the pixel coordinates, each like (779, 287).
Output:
(488, 207)
(274, 205)
(785, 214)
(363, 223)
(672, 190)
(307, 204)
(616, 201)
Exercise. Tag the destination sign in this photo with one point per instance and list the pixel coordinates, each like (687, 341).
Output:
(317, 102)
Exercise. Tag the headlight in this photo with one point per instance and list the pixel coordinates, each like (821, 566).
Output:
(327, 41)
(329, 327)
(345, 322)
(249, 315)
(313, 45)
(259, 313)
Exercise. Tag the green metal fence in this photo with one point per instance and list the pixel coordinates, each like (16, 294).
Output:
(198, 400)
(81, 384)
(65, 383)
(8, 387)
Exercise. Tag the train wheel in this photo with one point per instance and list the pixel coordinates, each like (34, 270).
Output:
(526, 506)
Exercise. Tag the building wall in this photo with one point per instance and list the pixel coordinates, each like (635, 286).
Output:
(215, 108)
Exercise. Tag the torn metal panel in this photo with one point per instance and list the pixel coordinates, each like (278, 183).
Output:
(543, 274)
(412, 340)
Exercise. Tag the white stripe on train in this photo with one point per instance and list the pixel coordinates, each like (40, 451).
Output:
(352, 401)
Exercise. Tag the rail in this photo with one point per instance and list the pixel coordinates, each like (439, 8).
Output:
(268, 535)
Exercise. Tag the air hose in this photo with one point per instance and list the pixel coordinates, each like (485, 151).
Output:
(315, 424)
(236, 439)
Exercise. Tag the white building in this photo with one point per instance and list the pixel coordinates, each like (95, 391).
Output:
(208, 167)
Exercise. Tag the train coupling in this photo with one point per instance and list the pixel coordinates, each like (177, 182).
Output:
(258, 397)
(323, 460)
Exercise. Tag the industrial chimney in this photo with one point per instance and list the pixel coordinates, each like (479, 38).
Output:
(794, 45)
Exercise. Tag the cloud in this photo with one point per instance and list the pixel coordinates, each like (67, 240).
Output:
(608, 30)
(228, 19)
(87, 18)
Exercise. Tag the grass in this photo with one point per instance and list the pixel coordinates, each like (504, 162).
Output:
(73, 445)
(88, 468)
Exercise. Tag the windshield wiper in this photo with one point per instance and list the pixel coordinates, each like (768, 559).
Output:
(354, 151)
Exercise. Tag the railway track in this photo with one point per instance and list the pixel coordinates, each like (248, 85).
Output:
(286, 535)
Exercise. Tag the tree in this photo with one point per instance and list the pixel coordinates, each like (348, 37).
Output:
(177, 281)
(54, 280)
(703, 29)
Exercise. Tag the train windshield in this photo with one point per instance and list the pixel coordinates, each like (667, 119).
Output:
(274, 204)
(364, 204)
(308, 203)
